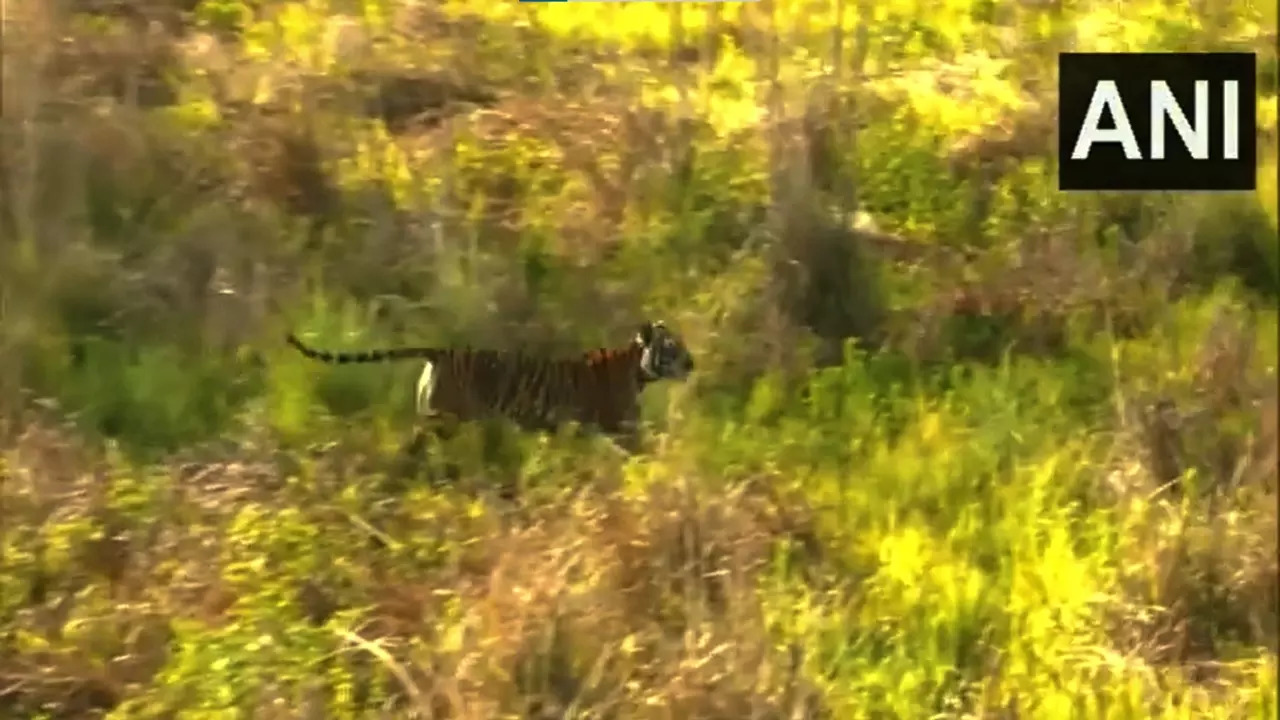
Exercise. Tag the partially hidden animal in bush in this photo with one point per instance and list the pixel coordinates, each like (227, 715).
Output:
(597, 389)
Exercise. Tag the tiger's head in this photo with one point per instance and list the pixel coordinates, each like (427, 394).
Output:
(664, 355)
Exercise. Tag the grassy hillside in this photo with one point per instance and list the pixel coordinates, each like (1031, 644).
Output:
(958, 445)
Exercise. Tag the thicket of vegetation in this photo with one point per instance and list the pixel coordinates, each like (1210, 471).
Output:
(958, 445)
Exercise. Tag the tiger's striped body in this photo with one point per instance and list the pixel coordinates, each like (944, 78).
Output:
(600, 388)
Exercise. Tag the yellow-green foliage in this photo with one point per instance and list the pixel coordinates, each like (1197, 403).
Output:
(1037, 480)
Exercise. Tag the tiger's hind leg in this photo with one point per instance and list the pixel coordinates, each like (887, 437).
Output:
(628, 440)
(502, 457)
(419, 457)
(435, 430)
(443, 432)
(426, 390)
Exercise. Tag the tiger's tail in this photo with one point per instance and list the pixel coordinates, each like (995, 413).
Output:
(363, 356)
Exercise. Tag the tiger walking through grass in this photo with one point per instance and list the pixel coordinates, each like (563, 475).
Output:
(598, 389)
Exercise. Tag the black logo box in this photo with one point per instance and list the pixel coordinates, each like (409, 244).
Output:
(1107, 168)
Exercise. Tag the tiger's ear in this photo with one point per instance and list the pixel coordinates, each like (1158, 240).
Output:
(645, 334)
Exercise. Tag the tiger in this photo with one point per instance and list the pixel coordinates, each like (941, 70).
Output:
(597, 389)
